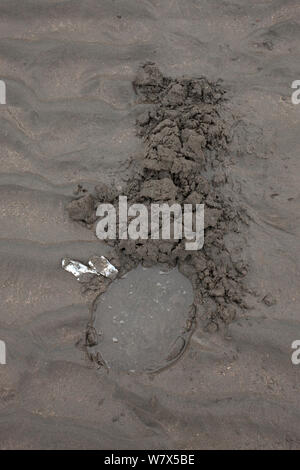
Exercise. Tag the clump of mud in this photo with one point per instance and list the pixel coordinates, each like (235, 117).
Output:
(185, 139)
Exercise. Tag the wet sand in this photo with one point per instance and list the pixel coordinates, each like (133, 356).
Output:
(69, 119)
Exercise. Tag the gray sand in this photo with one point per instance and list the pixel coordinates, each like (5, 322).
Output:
(69, 119)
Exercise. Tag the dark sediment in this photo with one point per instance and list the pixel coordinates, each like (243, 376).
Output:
(186, 140)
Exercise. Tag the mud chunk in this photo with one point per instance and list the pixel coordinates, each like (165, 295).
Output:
(199, 262)
(179, 252)
(218, 291)
(203, 186)
(159, 159)
(193, 198)
(196, 90)
(184, 167)
(166, 157)
(82, 209)
(105, 193)
(187, 270)
(228, 313)
(195, 143)
(149, 82)
(211, 327)
(152, 162)
(211, 217)
(186, 133)
(169, 137)
(205, 91)
(219, 179)
(143, 119)
(166, 123)
(159, 190)
(149, 75)
(175, 95)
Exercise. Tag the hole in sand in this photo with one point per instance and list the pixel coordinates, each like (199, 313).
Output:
(141, 319)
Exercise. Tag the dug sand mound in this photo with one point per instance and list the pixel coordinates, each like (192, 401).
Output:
(186, 139)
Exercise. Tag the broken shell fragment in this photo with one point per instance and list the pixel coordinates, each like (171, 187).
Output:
(103, 267)
(79, 270)
(98, 266)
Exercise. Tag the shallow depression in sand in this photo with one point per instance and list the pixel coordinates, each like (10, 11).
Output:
(140, 318)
